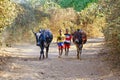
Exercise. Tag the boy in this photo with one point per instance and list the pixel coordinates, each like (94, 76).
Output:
(67, 41)
(60, 43)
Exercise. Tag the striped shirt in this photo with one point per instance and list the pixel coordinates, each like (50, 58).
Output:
(67, 38)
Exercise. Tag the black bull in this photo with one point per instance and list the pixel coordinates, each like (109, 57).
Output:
(79, 38)
(43, 40)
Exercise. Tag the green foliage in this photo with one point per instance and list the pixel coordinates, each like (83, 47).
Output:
(78, 5)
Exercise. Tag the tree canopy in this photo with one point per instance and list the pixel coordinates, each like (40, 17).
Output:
(78, 5)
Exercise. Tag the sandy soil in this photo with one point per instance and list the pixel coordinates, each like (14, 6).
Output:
(24, 64)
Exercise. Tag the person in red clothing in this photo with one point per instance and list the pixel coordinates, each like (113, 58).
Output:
(67, 41)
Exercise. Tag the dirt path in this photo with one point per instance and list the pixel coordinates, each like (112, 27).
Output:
(26, 66)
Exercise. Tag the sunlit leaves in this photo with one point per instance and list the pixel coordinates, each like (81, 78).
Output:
(7, 13)
(112, 31)
(90, 20)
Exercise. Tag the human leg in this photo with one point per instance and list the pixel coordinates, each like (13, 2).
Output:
(60, 46)
(67, 46)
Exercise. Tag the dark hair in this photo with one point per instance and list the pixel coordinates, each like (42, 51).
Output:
(67, 29)
(78, 29)
(60, 30)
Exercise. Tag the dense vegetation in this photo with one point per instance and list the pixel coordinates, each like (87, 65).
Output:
(8, 12)
(40, 14)
(112, 30)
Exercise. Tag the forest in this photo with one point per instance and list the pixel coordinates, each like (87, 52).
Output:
(98, 18)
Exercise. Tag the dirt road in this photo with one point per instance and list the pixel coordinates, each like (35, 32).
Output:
(25, 64)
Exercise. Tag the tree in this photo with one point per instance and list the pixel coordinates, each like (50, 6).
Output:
(112, 30)
(8, 12)
(78, 5)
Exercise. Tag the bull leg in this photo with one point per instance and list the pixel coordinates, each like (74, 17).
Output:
(41, 55)
(46, 54)
(78, 53)
(80, 49)
(47, 49)
(42, 49)
(77, 46)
